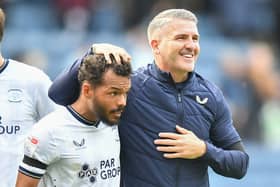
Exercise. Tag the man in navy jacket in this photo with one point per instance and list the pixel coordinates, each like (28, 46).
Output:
(176, 123)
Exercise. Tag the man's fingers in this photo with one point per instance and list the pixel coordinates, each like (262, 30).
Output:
(125, 56)
(108, 58)
(182, 130)
(108, 50)
(117, 57)
(169, 149)
(165, 142)
(172, 155)
(169, 135)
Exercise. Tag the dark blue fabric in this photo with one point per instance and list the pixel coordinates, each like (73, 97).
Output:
(155, 104)
(66, 88)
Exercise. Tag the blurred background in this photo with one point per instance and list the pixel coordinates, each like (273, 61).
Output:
(239, 52)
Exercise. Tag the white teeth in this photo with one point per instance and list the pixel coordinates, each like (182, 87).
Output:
(188, 55)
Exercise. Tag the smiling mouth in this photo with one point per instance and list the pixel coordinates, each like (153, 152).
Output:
(188, 55)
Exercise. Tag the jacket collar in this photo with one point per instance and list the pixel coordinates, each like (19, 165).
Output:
(166, 77)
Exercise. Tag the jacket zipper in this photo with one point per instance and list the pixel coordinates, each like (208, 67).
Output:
(179, 97)
(179, 121)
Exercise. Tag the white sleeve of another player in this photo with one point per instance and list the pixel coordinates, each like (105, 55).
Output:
(44, 104)
(40, 150)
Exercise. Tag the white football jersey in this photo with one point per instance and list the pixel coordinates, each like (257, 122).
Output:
(64, 149)
(23, 100)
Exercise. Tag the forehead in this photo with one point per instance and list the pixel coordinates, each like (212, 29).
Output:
(180, 26)
(113, 81)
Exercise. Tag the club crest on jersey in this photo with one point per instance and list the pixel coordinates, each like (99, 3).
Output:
(15, 95)
(201, 101)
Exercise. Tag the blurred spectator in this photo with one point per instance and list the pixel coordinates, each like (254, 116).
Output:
(234, 87)
(264, 78)
(139, 47)
(245, 18)
(74, 14)
(135, 11)
(251, 81)
(107, 16)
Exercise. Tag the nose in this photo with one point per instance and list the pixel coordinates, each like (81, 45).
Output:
(122, 100)
(189, 44)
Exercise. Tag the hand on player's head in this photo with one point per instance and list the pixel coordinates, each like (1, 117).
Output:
(110, 51)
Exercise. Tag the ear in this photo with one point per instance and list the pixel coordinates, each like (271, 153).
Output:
(154, 44)
(87, 89)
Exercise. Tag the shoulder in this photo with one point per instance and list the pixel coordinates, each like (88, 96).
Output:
(205, 89)
(141, 74)
(138, 79)
(205, 85)
(53, 121)
(25, 71)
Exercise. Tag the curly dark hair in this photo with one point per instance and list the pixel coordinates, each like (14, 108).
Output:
(94, 66)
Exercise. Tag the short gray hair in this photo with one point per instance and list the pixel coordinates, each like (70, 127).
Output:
(166, 16)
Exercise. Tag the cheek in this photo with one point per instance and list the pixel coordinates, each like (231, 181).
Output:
(104, 101)
(101, 101)
(197, 49)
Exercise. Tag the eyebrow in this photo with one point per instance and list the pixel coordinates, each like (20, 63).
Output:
(116, 88)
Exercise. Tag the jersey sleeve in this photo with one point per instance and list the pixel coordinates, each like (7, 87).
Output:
(40, 150)
(44, 104)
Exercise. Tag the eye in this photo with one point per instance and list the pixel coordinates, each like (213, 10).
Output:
(113, 93)
(180, 37)
(195, 38)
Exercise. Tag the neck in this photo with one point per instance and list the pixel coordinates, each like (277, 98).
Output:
(83, 111)
(179, 77)
(176, 76)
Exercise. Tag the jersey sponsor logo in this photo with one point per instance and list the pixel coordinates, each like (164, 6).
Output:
(201, 101)
(15, 95)
(87, 172)
(9, 129)
(107, 169)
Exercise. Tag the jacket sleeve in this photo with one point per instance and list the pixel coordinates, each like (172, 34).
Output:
(222, 156)
(229, 163)
(65, 89)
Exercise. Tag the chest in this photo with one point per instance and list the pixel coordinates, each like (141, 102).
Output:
(163, 107)
(89, 156)
(17, 107)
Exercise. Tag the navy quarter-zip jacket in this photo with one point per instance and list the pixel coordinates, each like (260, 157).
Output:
(156, 104)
